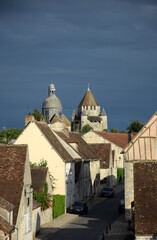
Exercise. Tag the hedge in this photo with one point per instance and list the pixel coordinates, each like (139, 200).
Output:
(59, 205)
(120, 175)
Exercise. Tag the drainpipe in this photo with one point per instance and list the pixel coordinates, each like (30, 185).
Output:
(17, 231)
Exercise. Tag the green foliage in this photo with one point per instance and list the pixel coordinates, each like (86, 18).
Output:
(135, 126)
(86, 128)
(120, 174)
(59, 205)
(37, 115)
(44, 198)
(106, 130)
(122, 131)
(7, 135)
(41, 164)
(114, 130)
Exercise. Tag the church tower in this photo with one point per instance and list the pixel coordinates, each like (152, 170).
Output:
(89, 113)
(51, 104)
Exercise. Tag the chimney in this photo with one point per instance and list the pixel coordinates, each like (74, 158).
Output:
(129, 136)
(28, 118)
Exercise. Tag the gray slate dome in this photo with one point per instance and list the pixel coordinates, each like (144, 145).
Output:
(51, 105)
(52, 102)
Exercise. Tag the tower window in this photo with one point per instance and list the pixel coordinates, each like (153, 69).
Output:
(94, 107)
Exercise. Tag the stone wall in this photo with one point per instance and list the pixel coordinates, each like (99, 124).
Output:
(129, 189)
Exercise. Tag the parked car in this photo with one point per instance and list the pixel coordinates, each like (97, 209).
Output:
(79, 208)
(121, 207)
(107, 192)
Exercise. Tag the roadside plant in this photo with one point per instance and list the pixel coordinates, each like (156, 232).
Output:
(44, 198)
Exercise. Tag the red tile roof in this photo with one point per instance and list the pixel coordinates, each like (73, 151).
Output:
(6, 205)
(120, 139)
(39, 178)
(103, 151)
(50, 136)
(84, 149)
(5, 226)
(12, 163)
(145, 198)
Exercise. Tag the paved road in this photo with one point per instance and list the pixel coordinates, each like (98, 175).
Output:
(91, 225)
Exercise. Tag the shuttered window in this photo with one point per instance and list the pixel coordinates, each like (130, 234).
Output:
(27, 223)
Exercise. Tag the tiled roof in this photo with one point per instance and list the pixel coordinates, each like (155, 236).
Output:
(5, 226)
(50, 136)
(120, 139)
(6, 205)
(55, 118)
(36, 204)
(145, 198)
(88, 100)
(103, 151)
(39, 178)
(65, 120)
(84, 149)
(12, 162)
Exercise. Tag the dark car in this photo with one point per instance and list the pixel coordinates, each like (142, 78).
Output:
(79, 208)
(121, 207)
(107, 192)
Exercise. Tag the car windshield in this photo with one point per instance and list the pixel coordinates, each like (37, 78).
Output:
(80, 204)
(108, 189)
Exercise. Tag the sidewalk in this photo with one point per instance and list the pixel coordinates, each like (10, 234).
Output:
(59, 222)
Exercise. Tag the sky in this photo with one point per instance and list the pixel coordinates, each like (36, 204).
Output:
(110, 44)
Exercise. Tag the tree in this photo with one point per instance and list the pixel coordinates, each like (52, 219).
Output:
(114, 130)
(135, 126)
(86, 128)
(106, 130)
(9, 134)
(37, 115)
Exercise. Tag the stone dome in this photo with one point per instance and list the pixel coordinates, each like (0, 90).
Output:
(52, 102)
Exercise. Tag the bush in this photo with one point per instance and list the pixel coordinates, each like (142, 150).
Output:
(120, 175)
(59, 205)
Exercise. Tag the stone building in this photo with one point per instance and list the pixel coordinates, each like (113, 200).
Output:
(89, 113)
(51, 104)
(141, 149)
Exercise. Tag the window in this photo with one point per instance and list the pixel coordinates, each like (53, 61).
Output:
(27, 223)
(28, 202)
(94, 107)
(91, 107)
(87, 107)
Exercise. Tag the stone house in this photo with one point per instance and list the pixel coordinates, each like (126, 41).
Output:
(87, 172)
(117, 140)
(40, 177)
(15, 188)
(6, 219)
(142, 148)
(44, 143)
(106, 156)
(145, 200)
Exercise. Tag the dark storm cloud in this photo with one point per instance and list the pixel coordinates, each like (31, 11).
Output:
(111, 44)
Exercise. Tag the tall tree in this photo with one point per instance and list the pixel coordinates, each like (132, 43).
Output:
(135, 126)
(37, 115)
(114, 130)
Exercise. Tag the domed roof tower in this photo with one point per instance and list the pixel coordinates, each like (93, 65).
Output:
(51, 105)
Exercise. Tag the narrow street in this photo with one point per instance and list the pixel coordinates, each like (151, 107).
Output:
(91, 225)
